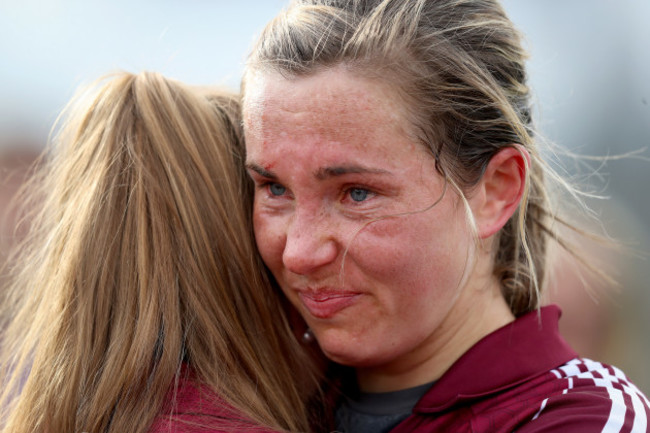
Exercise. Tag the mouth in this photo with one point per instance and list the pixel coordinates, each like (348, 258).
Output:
(326, 304)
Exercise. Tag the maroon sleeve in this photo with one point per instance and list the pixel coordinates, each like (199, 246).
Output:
(192, 408)
(587, 409)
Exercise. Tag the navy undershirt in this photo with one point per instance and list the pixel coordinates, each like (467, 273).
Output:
(377, 412)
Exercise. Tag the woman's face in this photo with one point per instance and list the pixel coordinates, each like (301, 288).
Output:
(345, 218)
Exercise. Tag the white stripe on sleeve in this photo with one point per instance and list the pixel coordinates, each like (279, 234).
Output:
(617, 414)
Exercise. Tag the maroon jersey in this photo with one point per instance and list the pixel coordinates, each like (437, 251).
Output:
(194, 408)
(524, 378)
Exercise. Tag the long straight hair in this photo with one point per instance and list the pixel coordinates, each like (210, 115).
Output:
(140, 265)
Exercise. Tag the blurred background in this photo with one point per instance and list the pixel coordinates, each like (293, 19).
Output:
(589, 69)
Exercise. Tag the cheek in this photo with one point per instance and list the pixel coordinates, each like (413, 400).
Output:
(269, 238)
(413, 254)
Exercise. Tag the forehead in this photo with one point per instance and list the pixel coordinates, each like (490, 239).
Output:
(316, 102)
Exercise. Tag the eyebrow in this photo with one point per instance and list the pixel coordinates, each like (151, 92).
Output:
(327, 172)
(259, 170)
(322, 173)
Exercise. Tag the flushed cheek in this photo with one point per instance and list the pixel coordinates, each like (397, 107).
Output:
(409, 250)
(270, 238)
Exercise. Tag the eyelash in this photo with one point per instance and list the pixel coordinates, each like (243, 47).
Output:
(368, 194)
(346, 193)
(266, 187)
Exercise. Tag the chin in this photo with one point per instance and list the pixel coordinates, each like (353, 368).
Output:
(349, 349)
(352, 359)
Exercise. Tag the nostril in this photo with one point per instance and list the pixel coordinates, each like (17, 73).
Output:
(306, 253)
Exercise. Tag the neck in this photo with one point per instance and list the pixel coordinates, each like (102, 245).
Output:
(477, 312)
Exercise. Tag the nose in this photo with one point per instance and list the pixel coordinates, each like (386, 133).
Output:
(310, 244)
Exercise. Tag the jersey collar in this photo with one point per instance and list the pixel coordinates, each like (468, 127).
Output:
(515, 353)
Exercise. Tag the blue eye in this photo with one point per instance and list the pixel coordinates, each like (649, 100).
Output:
(358, 194)
(276, 189)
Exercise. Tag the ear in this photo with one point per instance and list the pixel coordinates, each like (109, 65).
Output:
(500, 189)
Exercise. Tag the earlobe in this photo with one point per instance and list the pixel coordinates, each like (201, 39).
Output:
(500, 189)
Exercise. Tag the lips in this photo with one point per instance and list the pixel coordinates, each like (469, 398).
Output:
(326, 304)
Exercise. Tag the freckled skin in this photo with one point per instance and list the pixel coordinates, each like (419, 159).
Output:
(349, 213)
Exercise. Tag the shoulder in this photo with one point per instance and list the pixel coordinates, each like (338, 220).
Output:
(593, 397)
(191, 407)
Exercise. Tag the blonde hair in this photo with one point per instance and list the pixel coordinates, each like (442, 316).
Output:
(459, 68)
(141, 261)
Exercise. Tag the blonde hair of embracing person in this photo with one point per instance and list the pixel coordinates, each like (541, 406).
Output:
(139, 261)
